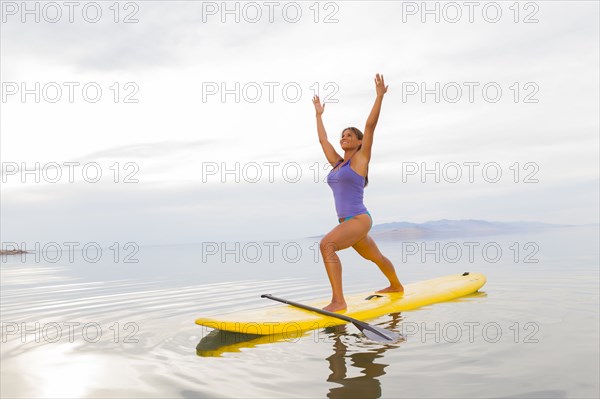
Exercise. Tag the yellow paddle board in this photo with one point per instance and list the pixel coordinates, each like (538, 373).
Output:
(287, 319)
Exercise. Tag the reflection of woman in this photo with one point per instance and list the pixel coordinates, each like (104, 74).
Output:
(347, 183)
(365, 383)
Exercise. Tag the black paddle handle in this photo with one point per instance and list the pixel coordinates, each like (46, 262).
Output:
(299, 305)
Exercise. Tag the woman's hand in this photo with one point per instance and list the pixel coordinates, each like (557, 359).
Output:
(318, 107)
(380, 85)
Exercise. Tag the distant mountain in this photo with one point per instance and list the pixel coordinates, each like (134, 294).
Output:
(454, 228)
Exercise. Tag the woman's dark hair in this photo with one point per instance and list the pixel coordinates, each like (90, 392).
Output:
(359, 135)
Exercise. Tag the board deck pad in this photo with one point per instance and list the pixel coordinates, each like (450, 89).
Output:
(285, 319)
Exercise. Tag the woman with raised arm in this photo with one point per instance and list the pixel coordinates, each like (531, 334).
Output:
(347, 183)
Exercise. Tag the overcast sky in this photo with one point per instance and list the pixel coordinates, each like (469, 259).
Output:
(172, 131)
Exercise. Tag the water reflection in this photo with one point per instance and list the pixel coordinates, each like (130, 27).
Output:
(366, 385)
(218, 342)
(346, 344)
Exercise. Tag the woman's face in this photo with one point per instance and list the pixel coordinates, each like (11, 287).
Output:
(349, 141)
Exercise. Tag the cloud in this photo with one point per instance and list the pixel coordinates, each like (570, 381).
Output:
(171, 52)
(150, 150)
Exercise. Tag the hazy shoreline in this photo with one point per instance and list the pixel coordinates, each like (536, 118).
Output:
(446, 228)
(12, 252)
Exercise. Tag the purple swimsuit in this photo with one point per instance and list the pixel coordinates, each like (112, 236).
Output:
(348, 187)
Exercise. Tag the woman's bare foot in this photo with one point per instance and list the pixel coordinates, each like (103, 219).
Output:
(336, 306)
(392, 288)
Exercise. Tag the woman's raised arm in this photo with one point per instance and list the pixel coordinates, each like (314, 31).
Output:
(367, 141)
(332, 156)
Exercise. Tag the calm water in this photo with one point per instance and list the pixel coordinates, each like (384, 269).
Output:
(113, 328)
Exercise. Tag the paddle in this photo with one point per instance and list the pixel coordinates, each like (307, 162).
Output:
(371, 332)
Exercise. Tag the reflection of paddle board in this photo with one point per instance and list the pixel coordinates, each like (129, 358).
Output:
(287, 319)
(218, 342)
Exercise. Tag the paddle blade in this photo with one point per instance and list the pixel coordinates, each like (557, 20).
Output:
(378, 334)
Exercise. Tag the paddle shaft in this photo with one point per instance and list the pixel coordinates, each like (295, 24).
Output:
(372, 332)
(322, 311)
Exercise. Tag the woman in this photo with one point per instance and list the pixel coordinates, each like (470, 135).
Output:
(348, 182)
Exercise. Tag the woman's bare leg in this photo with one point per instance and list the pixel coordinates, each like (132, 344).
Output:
(340, 237)
(369, 250)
